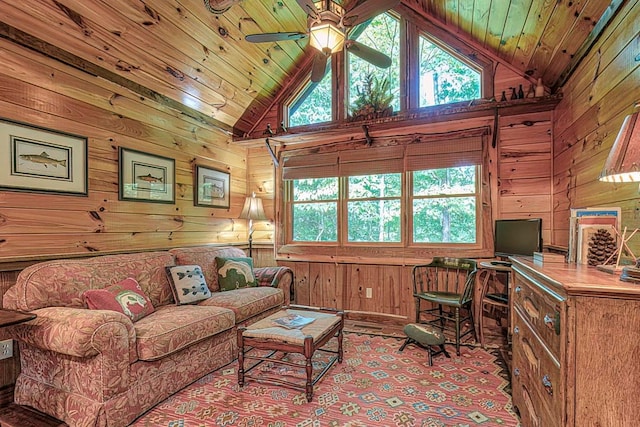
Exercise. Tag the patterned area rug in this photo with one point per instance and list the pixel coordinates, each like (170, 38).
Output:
(374, 385)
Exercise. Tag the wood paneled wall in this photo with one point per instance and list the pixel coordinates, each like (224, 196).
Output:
(519, 169)
(41, 91)
(604, 89)
(524, 169)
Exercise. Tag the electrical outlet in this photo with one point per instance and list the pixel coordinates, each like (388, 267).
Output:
(6, 349)
(369, 293)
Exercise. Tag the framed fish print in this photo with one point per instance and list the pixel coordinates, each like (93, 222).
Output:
(211, 188)
(146, 177)
(42, 160)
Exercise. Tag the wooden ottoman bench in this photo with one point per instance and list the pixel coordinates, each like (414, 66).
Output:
(425, 336)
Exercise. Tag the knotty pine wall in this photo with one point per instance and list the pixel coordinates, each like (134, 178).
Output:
(41, 91)
(596, 99)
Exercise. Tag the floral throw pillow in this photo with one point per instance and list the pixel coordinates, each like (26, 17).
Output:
(127, 297)
(188, 284)
(235, 273)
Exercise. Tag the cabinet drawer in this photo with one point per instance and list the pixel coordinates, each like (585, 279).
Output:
(541, 309)
(538, 373)
(524, 402)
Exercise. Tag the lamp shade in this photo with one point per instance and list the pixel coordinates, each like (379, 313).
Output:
(253, 209)
(326, 37)
(623, 163)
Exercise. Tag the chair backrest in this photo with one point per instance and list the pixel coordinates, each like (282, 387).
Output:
(454, 275)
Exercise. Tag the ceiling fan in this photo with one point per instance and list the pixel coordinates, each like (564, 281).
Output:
(329, 24)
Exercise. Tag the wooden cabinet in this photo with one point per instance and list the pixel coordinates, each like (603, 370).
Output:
(576, 346)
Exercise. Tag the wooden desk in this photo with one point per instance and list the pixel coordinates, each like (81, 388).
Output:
(487, 275)
(576, 346)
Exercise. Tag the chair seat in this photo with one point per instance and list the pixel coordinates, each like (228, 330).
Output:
(445, 298)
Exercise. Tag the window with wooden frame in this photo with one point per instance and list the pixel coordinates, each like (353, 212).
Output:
(436, 69)
(445, 77)
(360, 196)
(371, 87)
(312, 103)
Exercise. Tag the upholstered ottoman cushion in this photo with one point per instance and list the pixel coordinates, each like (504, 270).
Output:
(424, 334)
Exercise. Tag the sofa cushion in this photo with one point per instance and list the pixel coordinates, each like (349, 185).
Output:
(247, 302)
(126, 297)
(235, 273)
(188, 284)
(205, 257)
(173, 327)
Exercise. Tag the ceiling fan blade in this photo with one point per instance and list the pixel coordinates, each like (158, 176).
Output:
(367, 10)
(308, 7)
(369, 54)
(274, 37)
(319, 67)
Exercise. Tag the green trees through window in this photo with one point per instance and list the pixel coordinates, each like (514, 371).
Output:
(444, 78)
(373, 208)
(315, 210)
(443, 207)
(313, 104)
(383, 34)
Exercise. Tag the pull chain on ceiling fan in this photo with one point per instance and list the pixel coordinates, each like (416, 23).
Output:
(329, 25)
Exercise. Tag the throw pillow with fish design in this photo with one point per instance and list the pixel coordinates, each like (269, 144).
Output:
(235, 273)
(188, 284)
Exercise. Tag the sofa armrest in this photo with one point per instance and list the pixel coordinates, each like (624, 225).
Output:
(277, 277)
(79, 332)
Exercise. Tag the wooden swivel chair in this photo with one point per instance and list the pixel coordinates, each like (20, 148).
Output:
(446, 282)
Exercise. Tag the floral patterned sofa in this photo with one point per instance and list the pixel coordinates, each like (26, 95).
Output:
(97, 367)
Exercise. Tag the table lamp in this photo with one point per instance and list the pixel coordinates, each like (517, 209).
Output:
(252, 209)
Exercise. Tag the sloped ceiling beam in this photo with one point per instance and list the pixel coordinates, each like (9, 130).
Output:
(584, 50)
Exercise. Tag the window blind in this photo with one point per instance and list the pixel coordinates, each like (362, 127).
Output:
(427, 153)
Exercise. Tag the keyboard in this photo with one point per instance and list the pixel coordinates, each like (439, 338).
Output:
(502, 263)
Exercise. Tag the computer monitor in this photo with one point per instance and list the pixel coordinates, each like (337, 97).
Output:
(517, 237)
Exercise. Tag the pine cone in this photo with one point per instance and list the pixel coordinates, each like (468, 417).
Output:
(601, 246)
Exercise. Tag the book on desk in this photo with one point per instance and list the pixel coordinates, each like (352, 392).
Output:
(548, 257)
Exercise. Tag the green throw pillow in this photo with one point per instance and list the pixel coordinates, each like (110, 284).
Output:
(235, 273)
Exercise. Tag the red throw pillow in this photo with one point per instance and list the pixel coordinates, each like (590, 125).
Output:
(126, 297)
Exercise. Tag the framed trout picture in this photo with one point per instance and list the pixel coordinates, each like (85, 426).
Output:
(146, 177)
(211, 188)
(42, 160)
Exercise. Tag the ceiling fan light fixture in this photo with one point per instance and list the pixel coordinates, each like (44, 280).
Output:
(326, 37)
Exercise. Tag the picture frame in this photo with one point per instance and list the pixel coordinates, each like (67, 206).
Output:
(40, 160)
(146, 177)
(211, 188)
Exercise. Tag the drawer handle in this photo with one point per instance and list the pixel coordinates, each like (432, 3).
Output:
(553, 322)
(516, 372)
(546, 382)
(516, 330)
(518, 289)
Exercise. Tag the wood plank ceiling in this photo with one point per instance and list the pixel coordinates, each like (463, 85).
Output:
(199, 63)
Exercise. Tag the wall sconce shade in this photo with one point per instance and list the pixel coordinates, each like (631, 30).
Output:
(623, 163)
(326, 37)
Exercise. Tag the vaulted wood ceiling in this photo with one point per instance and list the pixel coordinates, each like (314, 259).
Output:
(198, 62)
